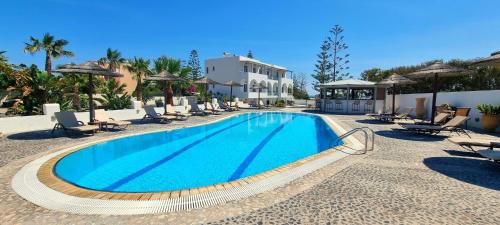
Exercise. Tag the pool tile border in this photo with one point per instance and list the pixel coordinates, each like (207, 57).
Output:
(45, 173)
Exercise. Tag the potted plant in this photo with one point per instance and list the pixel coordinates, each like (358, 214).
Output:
(491, 116)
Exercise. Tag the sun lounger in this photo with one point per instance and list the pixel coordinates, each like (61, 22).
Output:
(243, 105)
(261, 104)
(179, 115)
(490, 154)
(102, 116)
(68, 122)
(153, 115)
(438, 120)
(469, 143)
(452, 126)
(197, 110)
(404, 115)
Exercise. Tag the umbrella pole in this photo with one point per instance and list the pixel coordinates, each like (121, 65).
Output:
(393, 99)
(230, 96)
(91, 101)
(206, 95)
(434, 96)
(165, 98)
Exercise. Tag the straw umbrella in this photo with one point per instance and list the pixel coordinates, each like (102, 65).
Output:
(232, 83)
(91, 69)
(259, 87)
(395, 79)
(436, 70)
(165, 77)
(206, 81)
(493, 60)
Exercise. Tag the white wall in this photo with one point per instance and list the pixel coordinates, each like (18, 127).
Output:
(469, 99)
(44, 122)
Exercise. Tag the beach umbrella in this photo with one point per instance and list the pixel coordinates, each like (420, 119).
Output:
(206, 81)
(436, 70)
(165, 77)
(232, 83)
(493, 60)
(395, 79)
(91, 69)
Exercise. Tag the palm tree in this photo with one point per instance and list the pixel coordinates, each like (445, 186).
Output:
(3, 58)
(172, 66)
(113, 59)
(140, 68)
(53, 49)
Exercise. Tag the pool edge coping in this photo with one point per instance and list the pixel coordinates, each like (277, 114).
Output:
(47, 184)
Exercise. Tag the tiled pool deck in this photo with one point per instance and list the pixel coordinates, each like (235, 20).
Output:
(408, 179)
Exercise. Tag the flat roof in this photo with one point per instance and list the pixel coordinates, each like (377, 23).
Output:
(246, 59)
(349, 83)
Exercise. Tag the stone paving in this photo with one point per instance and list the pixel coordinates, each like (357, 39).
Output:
(408, 179)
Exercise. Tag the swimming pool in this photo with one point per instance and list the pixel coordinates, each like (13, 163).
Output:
(238, 147)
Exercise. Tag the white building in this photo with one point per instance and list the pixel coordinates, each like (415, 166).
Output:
(251, 73)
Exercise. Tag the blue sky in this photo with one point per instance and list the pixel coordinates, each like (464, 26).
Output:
(285, 32)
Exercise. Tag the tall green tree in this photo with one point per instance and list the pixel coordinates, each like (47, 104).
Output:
(3, 58)
(173, 66)
(374, 74)
(250, 54)
(53, 49)
(194, 64)
(340, 59)
(113, 59)
(140, 68)
(323, 65)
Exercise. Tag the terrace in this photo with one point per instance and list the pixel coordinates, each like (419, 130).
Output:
(425, 178)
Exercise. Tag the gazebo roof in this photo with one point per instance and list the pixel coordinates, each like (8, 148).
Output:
(349, 83)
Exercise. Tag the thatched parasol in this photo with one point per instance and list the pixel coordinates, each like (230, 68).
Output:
(166, 77)
(232, 83)
(259, 87)
(395, 79)
(436, 70)
(206, 81)
(91, 69)
(492, 60)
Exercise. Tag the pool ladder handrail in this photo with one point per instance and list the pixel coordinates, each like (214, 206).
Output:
(355, 130)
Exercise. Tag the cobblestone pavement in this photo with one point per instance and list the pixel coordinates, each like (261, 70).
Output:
(408, 179)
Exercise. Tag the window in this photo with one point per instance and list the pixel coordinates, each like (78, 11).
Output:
(207, 70)
(267, 72)
(245, 87)
(245, 69)
(283, 89)
(254, 70)
(213, 68)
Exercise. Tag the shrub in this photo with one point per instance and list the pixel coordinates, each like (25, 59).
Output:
(489, 109)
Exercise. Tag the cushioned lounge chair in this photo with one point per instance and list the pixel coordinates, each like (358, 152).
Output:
(402, 115)
(262, 105)
(68, 122)
(452, 126)
(153, 115)
(490, 154)
(178, 115)
(102, 116)
(469, 143)
(438, 120)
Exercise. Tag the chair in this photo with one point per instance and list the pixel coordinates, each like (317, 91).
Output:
(356, 105)
(439, 119)
(102, 116)
(179, 115)
(402, 115)
(469, 143)
(153, 115)
(196, 109)
(462, 112)
(452, 126)
(490, 153)
(68, 122)
(261, 104)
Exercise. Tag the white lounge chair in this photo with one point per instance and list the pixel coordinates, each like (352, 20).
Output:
(102, 116)
(68, 122)
(469, 143)
(153, 115)
(179, 115)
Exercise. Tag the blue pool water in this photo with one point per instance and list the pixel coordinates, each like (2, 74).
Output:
(235, 148)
